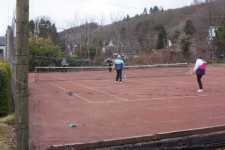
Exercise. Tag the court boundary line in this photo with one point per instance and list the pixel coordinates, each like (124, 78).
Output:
(120, 98)
(89, 101)
(151, 99)
(105, 93)
(127, 100)
(65, 90)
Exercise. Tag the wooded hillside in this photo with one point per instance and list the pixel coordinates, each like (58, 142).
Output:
(183, 31)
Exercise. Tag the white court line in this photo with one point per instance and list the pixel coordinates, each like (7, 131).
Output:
(105, 93)
(127, 100)
(170, 97)
(65, 90)
(151, 99)
(122, 99)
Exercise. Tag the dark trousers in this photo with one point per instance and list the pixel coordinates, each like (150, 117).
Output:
(110, 68)
(200, 73)
(199, 79)
(119, 75)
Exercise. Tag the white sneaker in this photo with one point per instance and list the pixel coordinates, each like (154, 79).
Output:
(200, 90)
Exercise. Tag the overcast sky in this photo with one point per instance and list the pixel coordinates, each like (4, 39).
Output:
(66, 13)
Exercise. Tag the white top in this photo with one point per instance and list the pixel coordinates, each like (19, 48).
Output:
(198, 63)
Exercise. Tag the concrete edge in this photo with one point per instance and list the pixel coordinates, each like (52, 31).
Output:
(198, 132)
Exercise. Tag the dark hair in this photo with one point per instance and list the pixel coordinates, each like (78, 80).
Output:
(199, 57)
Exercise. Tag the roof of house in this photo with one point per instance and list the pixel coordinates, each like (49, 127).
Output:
(2, 41)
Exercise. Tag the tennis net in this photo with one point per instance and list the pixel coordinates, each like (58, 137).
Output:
(102, 73)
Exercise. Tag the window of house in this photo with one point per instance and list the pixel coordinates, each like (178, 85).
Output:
(1, 53)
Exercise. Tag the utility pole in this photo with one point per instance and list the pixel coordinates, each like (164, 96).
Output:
(22, 53)
(210, 49)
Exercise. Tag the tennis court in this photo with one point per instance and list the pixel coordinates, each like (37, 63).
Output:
(149, 101)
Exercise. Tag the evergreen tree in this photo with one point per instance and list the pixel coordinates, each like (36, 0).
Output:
(31, 27)
(162, 37)
(128, 17)
(220, 41)
(145, 12)
(185, 46)
(189, 28)
(155, 9)
(92, 53)
(43, 28)
(151, 10)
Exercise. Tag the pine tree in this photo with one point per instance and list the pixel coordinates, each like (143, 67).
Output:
(162, 37)
(145, 12)
(220, 41)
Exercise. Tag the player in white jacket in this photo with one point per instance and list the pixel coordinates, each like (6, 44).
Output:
(199, 70)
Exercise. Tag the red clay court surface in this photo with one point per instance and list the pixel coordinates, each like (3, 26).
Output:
(150, 101)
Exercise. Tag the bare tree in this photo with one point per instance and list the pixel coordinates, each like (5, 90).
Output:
(116, 31)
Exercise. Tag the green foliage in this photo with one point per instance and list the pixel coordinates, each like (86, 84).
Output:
(220, 41)
(43, 52)
(5, 89)
(76, 61)
(92, 53)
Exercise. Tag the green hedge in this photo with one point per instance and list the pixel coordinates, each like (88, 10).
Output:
(5, 90)
(43, 52)
(76, 61)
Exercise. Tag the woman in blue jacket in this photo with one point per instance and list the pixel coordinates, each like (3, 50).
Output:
(119, 66)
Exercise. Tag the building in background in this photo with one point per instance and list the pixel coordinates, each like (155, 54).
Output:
(2, 48)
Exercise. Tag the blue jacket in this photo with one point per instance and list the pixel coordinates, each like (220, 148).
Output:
(119, 64)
